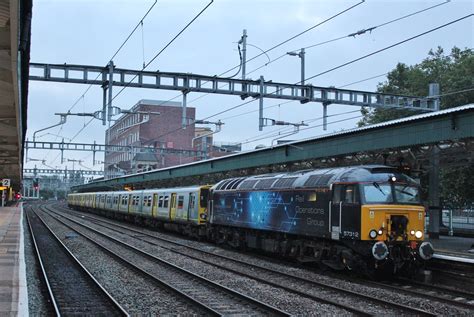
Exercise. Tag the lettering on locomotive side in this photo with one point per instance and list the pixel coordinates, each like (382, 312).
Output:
(309, 210)
(350, 234)
(315, 222)
(299, 198)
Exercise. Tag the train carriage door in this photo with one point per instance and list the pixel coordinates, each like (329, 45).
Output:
(129, 202)
(191, 207)
(173, 206)
(345, 212)
(335, 211)
(154, 205)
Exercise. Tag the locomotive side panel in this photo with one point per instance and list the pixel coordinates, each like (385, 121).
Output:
(302, 212)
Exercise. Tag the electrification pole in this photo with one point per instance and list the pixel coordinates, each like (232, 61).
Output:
(244, 53)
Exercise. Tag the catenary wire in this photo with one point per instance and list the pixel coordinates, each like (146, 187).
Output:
(334, 68)
(151, 61)
(117, 51)
(274, 47)
(365, 56)
(353, 34)
(163, 49)
(389, 47)
(357, 59)
(273, 133)
(98, 75)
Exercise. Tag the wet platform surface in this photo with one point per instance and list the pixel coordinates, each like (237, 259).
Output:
(12, 282)
(454, 246)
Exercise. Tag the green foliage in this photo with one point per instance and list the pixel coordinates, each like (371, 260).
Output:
(458, 187)
(453, 72)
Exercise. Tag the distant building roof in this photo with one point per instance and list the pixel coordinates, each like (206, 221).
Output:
(151, 102)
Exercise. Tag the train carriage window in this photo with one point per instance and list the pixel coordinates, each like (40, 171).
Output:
(160, 201)
(180, 202)
(166, 202)
(148, 203)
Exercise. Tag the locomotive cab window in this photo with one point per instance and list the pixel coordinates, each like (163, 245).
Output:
(377, 193)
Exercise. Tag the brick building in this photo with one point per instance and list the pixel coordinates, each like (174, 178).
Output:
(144, 128)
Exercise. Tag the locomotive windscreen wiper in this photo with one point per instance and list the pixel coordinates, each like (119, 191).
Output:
(376, 185)
(404, 192)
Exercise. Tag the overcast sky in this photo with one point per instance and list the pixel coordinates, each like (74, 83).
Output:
(90, 31)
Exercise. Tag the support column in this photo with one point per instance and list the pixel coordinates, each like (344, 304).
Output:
(260, 107)
(104, 104)
(325, 116)
(183, 120)
(111, 82)
(244, 53)
(434, 210)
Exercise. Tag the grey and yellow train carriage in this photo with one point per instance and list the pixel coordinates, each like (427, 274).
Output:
(182, 205)
(341, 213)
(186, 205)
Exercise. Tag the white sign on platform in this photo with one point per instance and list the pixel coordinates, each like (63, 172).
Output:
(6, 182)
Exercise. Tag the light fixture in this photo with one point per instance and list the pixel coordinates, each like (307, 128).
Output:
(373, 234)
(418, 234)
(412, 232)
(380, 232)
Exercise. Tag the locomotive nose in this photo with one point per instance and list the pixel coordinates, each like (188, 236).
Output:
(399, 224)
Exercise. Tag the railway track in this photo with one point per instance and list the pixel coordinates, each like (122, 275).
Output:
(432, 292)
(218, 299)
(72, 290)
(266, 275)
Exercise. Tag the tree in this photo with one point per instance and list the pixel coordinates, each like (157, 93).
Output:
(454, 73)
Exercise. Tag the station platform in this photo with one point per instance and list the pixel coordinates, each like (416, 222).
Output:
(13, 288)
(447, 246)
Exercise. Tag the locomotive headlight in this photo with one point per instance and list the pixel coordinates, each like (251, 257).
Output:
(373, 234)
(418, 234)
(380, 232)
(412, 232)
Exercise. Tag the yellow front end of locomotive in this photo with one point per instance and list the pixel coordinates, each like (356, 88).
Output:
(392, 223)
